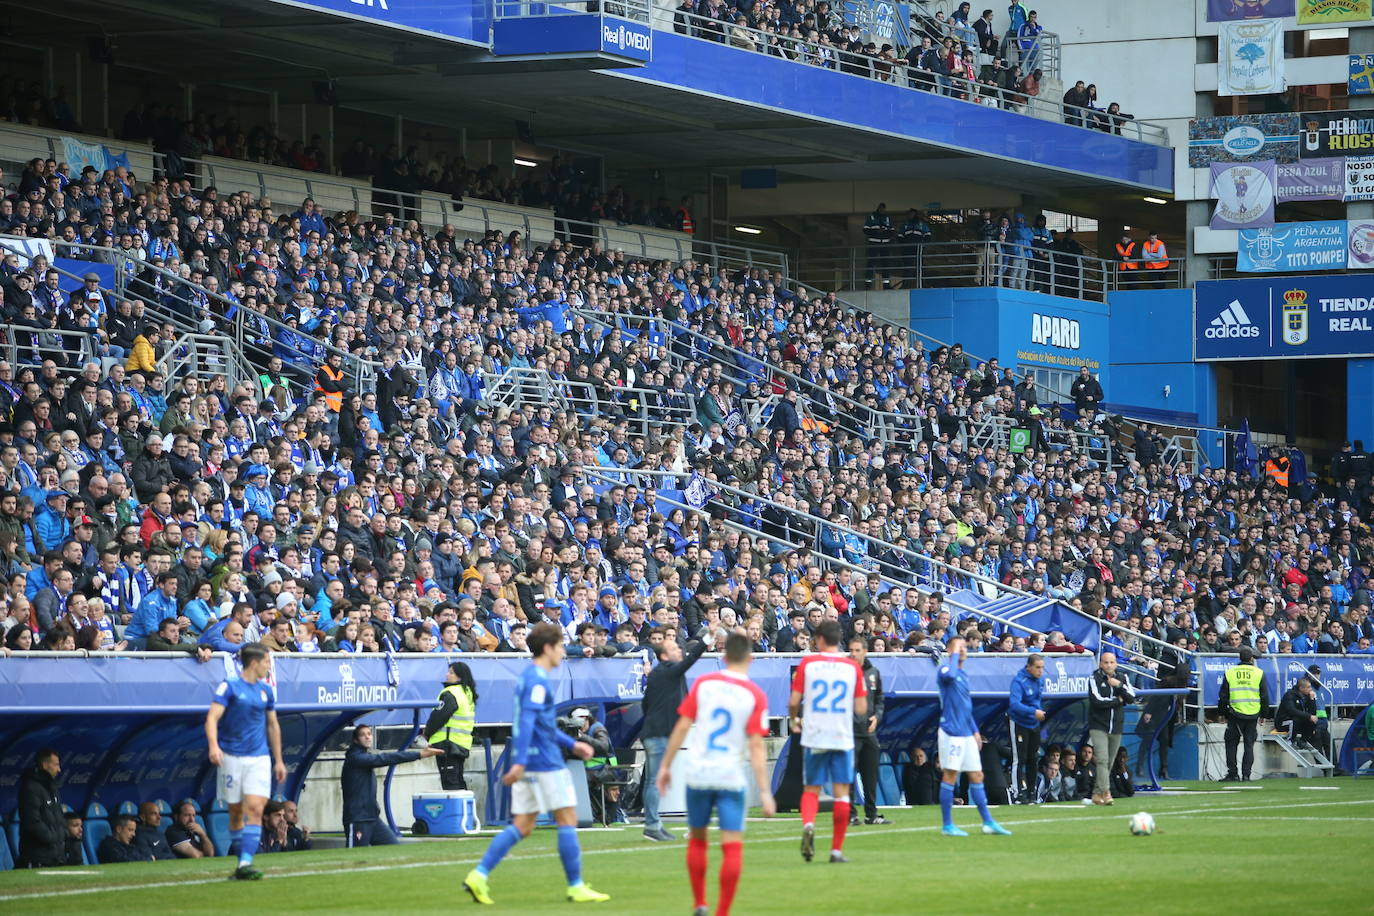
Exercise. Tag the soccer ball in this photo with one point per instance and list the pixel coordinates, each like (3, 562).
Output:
(1142, 824)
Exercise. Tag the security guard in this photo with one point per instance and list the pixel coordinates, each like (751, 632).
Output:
(1125, 253)
(879, 233)
(1245, 700)
(1277, 468)
(329, 382)
(450, 725)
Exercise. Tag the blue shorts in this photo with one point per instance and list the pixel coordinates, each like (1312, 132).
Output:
(728, 804)
(827, 768)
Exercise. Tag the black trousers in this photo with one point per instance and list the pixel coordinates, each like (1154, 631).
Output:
(1238, 730)
(866, 754)
(1027, 756)
(450, 764)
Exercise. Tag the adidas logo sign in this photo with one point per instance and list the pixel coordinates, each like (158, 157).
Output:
(1232, 322)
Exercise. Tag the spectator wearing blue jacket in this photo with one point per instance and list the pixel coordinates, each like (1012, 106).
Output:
(1027, 715)
(156, 606)
(1017, 252)
(227, 634)
(50, 519)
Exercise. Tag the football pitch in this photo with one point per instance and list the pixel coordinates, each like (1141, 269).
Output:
(1277, 846)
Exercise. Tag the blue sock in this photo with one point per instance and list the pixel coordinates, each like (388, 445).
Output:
(947, 802)
(980, 798)
(235, 837)
(571, 854)
(252, 835)
(501, 844)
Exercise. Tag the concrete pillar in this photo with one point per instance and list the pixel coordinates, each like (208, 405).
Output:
(1197, 213)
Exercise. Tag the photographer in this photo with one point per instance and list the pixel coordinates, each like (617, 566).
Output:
(602, 767)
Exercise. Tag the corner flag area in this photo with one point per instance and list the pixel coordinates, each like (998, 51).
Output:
(1264, 840)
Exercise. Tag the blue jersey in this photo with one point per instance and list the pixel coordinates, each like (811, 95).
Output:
(243, 727)
(536, 742)
(956, 706)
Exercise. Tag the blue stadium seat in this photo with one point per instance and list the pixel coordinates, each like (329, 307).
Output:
(889, 785)
(163, 808)
(11, 824)
(97, 828)
(217, 825)
(6, 859)
(127, 807)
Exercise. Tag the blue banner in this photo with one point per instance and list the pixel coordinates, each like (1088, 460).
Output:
(1346, 680)
(1361, 81)
(1283, 318)
(1292, 248)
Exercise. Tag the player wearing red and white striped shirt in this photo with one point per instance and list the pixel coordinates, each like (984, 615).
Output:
(828, 690)
(730, 713)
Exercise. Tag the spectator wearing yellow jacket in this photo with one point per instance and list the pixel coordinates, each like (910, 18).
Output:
(143, 357)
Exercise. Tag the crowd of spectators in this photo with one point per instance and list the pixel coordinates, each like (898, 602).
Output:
(984, 60)
(139, 509)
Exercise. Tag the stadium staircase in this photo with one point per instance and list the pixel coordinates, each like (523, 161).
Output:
(1309, 761)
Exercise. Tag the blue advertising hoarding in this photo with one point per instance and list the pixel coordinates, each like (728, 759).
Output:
(1292, 248)
(1283, 318)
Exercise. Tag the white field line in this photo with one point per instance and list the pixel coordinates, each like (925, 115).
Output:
(398, 866)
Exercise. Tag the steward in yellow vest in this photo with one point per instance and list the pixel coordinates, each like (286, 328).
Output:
(1244, 698)
(450, 725)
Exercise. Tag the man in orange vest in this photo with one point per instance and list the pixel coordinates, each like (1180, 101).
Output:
(329, 382)
(1156, 255)
(1125, 253)
(1277, 467)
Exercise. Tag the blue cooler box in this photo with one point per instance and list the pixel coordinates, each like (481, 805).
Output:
(447, 813)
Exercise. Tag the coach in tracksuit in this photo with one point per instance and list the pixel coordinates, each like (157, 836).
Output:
(1107, 699)
(1026, 718)
(362, 818)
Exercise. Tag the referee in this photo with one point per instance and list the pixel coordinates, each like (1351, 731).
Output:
(1026, 718)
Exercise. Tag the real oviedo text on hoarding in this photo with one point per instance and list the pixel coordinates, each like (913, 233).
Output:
(1283, 318)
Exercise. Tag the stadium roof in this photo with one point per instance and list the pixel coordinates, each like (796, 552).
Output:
(621, 115)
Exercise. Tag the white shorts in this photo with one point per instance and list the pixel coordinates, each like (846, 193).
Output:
(960, 753)
(537, 793)
(240, 776)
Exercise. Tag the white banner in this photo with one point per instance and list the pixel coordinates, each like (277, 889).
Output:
(1360, 244)
(1359, 178)
(1251, 57)
(26, 249)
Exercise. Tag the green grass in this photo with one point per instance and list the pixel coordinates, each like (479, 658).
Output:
(1265, 850)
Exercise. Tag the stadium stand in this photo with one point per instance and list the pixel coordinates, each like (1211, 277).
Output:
(406, 405)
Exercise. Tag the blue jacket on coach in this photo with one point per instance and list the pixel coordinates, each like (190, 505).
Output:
(359, 781)
(1025, 698)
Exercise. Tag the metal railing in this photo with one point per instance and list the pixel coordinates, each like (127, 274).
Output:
(433, 209)
(23, 345)
(896, 71)
(232, 320)
(829, 410)
(995, 431)
(1046, 47)
(919, 569)
(205, 355)
(942, 265)
(614, 476)
(635, 10)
